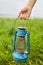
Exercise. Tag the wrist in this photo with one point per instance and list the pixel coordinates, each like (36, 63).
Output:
(29, 7)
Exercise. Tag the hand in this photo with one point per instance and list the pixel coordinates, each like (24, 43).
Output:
(25, 13)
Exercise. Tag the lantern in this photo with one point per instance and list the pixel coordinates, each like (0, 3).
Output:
(21, 45)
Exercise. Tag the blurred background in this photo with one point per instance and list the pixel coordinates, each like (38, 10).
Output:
(11, 8)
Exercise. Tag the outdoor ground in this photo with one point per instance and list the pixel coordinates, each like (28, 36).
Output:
(7, 28)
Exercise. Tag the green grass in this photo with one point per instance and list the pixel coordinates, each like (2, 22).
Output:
(7, 29)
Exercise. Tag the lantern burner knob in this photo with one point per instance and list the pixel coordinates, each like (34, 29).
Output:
(26, 52)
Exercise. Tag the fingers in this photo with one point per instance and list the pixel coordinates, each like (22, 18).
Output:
(24, 16)
(22, 13)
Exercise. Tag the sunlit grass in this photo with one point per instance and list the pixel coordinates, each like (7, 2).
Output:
(7, 29)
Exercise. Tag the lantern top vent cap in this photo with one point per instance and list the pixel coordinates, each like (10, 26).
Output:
(22, 28)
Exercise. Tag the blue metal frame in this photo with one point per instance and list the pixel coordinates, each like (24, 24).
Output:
(14, 41)
(28, 42)
(17, 56)
(20, 57)
(21, 32)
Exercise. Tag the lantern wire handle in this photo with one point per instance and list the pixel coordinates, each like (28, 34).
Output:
(27, 34)
(27, 23)
(15, 23)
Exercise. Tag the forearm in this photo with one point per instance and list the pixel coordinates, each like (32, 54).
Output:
(31, 3)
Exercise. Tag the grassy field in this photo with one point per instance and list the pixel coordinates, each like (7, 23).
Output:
(7, 29)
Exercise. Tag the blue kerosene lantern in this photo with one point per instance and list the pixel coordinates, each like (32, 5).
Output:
(21, 45)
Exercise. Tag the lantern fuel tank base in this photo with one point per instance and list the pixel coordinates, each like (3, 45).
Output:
(18, 57)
